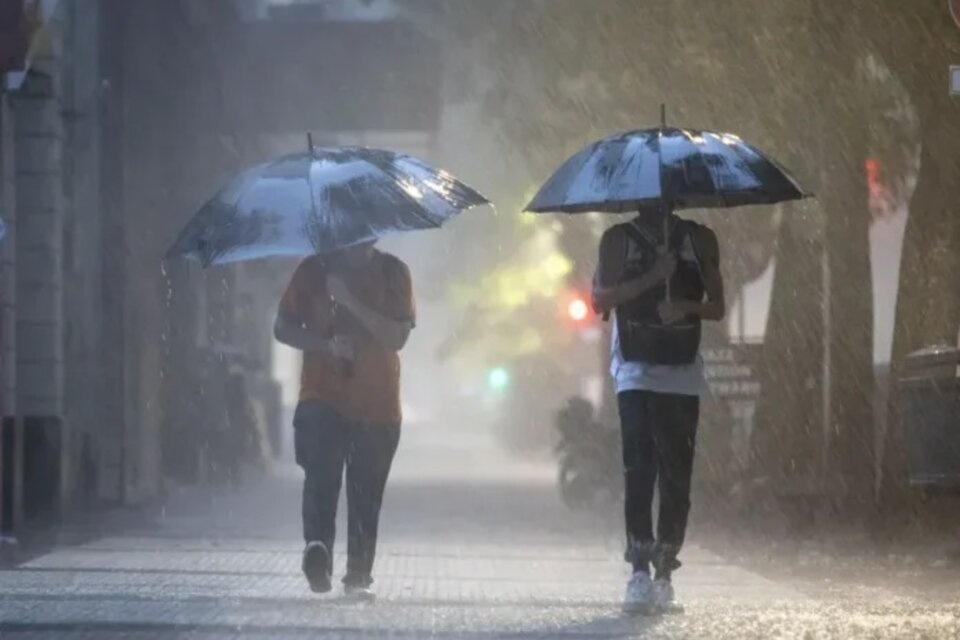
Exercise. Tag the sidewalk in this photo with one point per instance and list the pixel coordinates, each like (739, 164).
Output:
(484, 553)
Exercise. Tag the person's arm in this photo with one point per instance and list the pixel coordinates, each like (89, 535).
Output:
(608, 290)
(290, 328)
(714, 306)
(300, 337)
(390, 332)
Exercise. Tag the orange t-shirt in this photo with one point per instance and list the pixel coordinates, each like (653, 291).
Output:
(368, 390)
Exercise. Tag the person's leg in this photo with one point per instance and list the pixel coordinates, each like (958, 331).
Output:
(676, 434)
(640, 473)
(368, 467)
(320, 445)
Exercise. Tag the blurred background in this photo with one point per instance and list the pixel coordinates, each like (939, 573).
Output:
(124, 375)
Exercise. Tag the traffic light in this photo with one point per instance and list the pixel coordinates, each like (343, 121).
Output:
(578, 309)
(575, 309)
(575, 313)
(498, 379)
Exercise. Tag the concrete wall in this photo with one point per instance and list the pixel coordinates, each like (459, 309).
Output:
(38, 158)
(148, 156)
(83, 251)
(8, 292)
(114, 378)
(8, 210)
(54, 308)
(11, 431)
(39, 147)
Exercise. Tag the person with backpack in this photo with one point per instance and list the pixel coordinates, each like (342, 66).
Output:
(660, 276)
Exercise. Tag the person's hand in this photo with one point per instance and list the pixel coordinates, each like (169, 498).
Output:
(664, 267)
(342, 347)
(339, 290)
(670, 311)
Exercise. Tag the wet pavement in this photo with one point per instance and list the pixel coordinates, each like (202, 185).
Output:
(469, 549)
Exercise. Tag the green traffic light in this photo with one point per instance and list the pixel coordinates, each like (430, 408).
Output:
(498, 378)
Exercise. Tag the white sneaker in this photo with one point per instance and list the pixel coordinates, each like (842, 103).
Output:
(663, 597)
(360, 594)
(639, 596)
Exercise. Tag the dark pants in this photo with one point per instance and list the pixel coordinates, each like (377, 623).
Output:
(659, 431)
(325, 443)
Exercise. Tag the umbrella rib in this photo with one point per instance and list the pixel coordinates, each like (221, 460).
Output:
(712, 173)
(214, 253)
(416, 206)
(738, 151)
(433, 223)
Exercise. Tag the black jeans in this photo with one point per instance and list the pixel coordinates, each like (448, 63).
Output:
(659, 432)
(325, 443)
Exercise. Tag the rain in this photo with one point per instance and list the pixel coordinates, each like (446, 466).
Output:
(479, 319)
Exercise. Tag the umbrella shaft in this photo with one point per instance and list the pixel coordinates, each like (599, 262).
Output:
(666, 242)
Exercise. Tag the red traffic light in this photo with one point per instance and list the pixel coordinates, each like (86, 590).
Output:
(578, 309)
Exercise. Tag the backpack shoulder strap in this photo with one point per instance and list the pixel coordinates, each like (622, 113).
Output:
(691, 229)
(637, 236)
(680, 232)
(630, 233)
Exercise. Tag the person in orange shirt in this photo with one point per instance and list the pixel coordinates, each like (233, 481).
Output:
(350, 313)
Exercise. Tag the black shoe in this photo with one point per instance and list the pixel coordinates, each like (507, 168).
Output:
(316, 567)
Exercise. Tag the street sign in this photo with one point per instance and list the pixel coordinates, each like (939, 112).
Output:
(955, 80)
(731, 371)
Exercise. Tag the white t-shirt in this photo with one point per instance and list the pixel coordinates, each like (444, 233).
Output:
(685, 379)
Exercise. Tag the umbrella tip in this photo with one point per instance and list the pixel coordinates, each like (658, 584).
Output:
(663, 115)
(310, 141)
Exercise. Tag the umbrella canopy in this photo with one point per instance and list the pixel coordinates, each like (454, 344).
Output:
(321, 201)
(677, 168)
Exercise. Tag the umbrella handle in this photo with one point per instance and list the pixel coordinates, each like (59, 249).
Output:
(346, 366)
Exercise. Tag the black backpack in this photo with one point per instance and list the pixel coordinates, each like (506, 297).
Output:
(643, 336)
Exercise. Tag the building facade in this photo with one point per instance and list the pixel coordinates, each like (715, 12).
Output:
(121, 369)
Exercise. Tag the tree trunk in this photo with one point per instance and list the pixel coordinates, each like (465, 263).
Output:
(786, 441)
(928, 304)
(923, 46)
(815, 419)
(850, 426)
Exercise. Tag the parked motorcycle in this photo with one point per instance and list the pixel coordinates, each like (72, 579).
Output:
(590, 472)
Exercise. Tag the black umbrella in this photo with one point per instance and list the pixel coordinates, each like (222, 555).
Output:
(665, 167)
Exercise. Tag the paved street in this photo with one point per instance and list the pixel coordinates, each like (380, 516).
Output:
(475, 548)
